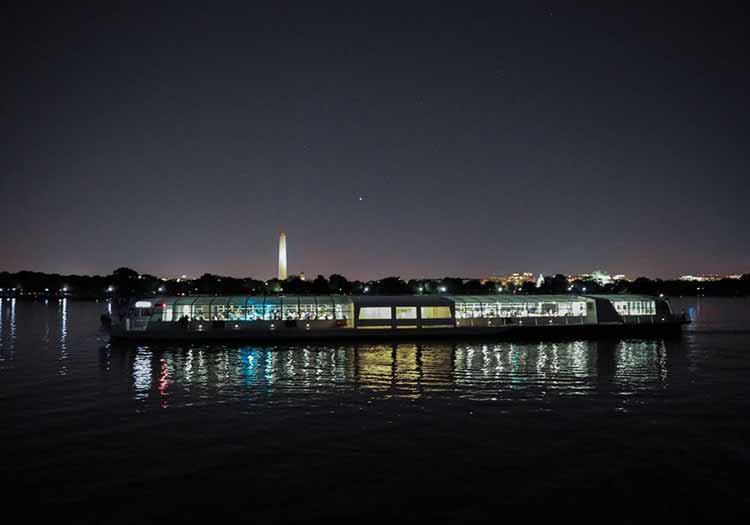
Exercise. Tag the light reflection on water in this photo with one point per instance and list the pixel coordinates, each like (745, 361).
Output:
(63, 369)
(265, 421)
(61, 339)
(476, 371)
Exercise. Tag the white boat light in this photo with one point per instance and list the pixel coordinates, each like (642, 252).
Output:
(143, 304)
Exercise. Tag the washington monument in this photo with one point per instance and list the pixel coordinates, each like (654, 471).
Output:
(282, 257)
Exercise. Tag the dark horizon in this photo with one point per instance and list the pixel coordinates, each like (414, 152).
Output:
(410, 140)
(708, 277)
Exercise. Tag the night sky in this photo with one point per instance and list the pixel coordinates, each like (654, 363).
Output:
(392, 139)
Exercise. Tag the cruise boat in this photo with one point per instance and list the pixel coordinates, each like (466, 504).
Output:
(198, 318)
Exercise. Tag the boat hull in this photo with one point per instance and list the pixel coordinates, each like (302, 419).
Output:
(507, 332)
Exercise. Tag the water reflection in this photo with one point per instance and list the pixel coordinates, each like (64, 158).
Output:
(7, 336)
(409, 371)
(641, 363)
(8, 343)
(142, 373)
(63, 369)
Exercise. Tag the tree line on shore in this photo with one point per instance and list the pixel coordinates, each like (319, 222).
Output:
(128, 282)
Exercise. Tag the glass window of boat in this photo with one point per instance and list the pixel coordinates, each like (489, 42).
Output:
(272, 310)
(254, 308)
(533, 309)
(219, 312)
(183, 307)
(622, 307)
(325, 309)
(307, 308)
(490, 309)
(435, 312)
(289, 308)
(577, 308)
(635, 307)
(343, 307)
(548, 309)
(406, 312)
(166, 308)
(513, 310)
(343, 311)
(468, 307)
(468, 310)
(201, 308)
(462, 311)
(374, 312)
(236, 308)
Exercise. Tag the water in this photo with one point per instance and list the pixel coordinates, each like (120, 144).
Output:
(615, 431)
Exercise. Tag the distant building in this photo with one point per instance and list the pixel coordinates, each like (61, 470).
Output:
(540, 281)
(282, 257)
(516, 279)
(601, 277)
(708, 277)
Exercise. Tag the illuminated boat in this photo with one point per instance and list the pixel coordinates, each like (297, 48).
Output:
(336, 316)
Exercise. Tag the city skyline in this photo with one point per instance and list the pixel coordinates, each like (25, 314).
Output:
(405, 141)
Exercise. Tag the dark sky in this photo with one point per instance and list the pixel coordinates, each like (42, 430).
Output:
(517, 137)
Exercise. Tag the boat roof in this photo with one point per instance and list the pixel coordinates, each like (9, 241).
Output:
(520, 299)
(252, 299)
(624, 297)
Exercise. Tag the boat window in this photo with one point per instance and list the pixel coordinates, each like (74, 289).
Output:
(307, 311)
(406, 312)
(474, 307)
(272, 312)
(219, 312)
(436, 312)
(343, 311)
(325, 311)
(635, 307)
(200, 312)
(290, 309)
(549, 308)
(375, 312)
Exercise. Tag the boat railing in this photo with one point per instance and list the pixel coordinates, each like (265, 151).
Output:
(551, 321)
(521, 321)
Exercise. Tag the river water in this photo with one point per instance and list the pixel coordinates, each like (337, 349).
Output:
(617, 431)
